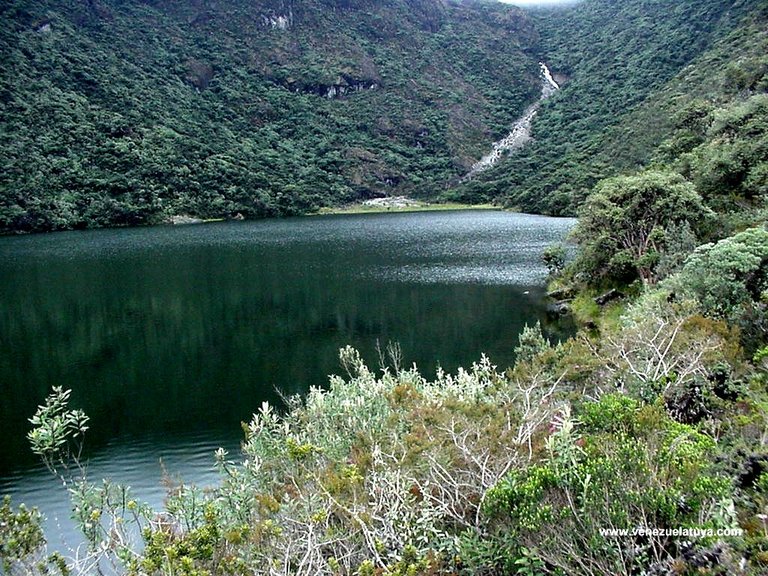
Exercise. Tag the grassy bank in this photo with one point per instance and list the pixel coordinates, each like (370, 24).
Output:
(417, 206)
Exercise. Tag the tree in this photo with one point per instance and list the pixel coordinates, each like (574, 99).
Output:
(727, 276)
(624, 221)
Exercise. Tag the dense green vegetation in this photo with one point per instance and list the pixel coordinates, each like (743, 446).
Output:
(628, 69)
(653, 419)
(660, 424)
(125, 113)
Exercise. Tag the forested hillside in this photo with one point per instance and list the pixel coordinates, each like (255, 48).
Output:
(627, 68)
(127, 112)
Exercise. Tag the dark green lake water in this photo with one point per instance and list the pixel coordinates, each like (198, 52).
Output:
(170, 337)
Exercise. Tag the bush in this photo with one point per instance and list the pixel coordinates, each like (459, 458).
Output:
(21, 537)
(627, 467)
(727, 275)
(622, 226)
(554, 259)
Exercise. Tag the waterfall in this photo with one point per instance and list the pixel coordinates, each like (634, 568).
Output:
(549, 86)
(520, 133)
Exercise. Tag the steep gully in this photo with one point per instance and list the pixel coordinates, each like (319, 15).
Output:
(521, 129)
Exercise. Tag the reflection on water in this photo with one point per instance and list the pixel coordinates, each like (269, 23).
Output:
(170, 337)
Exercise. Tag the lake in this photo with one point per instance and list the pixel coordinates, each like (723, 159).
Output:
(170, 337)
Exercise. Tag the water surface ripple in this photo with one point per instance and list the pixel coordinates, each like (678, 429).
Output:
(170, 337)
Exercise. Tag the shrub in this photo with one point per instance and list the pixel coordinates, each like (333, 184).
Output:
(622, 226)
(554, 259)
(615, 413)
(727, 276)
(531, 342)
(628, 467)
(21, 538)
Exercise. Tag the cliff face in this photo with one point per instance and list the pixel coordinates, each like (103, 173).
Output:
(125, 112)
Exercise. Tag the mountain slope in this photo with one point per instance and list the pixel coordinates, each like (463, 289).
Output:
(613, 57)
(127, 112)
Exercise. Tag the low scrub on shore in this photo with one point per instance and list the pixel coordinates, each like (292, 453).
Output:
(594, 456)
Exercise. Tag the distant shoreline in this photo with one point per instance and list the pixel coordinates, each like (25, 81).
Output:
(183, 220)
(412, 206)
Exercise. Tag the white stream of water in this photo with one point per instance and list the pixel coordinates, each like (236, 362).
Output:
(520, 133)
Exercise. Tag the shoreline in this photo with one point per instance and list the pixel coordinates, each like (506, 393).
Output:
(413, 206)
(357, 208)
